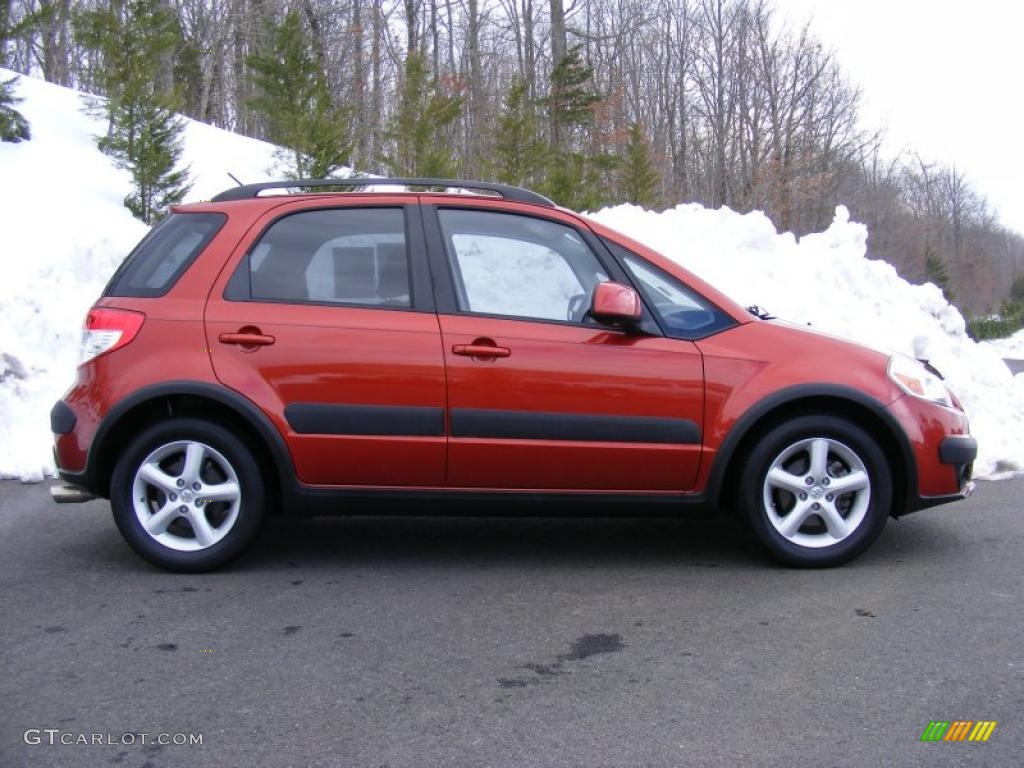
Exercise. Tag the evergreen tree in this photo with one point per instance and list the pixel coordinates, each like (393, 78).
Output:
(13, 125)
(936, 272)
(579, 181)
(638, 180)
(144, 135)
(1017, 291)
(575, 178)
(147, 140)
(572, 99)
(421, 128)
(520, 153)
(294, 99)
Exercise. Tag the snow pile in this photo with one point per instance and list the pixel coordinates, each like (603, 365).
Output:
(65, 230)
(824, 279)
(1011, 348)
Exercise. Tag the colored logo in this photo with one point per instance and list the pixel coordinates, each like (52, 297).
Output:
(958, 730)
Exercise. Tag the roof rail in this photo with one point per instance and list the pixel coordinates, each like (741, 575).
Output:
(517, 194)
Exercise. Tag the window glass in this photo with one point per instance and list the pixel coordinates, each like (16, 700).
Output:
(682, 312)
(164, 254)
(505, 264)
(336, 256)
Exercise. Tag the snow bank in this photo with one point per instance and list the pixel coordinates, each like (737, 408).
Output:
(65, 231)
(1011, 348)
(824, 279)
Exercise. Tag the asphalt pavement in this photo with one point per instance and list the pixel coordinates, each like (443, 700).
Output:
(1017, 366)
(361, 643)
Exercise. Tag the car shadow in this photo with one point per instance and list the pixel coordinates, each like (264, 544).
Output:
(577, 540)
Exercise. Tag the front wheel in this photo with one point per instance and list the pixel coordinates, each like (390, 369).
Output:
(816, 491)
(187, 495)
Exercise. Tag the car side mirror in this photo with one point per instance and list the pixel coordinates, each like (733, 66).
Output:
(616, 304)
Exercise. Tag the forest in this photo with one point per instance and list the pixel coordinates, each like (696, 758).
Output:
(592, 102)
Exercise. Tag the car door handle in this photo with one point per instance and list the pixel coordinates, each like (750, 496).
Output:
(481, 350)
(247, 339)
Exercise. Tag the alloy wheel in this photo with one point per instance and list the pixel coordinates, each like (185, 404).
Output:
(816, 492)
(186, 495)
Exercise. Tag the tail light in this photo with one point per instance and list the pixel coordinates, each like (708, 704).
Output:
(108, 329)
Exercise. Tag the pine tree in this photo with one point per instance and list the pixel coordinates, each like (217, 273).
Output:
(579, 181)
(572, 99)
(575, 178)
(147, 141)
(144, 135)
(520, 153)
(1017, 292)
(936, 272)
(294, 98)
(420, 131)
(638, 180)
(13, 125)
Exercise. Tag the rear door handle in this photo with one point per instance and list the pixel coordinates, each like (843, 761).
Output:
(247, 338)
(481, 350)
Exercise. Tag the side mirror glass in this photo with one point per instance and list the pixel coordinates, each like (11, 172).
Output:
(616, 304)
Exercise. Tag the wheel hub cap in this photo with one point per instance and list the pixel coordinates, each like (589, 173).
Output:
(186, 495)
(816, 492)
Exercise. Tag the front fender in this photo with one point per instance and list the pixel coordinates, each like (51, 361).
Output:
(759, 368)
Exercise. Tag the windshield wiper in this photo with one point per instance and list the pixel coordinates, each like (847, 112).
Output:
(757, 311)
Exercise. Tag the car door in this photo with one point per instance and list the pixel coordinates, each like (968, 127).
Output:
(324, 318)
(540, 396)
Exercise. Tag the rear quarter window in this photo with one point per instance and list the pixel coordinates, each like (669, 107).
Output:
(164, 254)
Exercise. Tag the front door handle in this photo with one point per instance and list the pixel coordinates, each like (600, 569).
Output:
(247, 337)
(484, 348)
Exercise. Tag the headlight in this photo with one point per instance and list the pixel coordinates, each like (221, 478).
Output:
(914, 379)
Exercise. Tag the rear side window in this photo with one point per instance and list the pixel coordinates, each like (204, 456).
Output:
(347, 256)
(164, 254)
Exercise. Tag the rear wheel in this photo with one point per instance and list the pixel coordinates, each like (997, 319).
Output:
(187, 495)
(816, 491)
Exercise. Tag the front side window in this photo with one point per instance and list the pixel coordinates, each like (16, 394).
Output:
(519, 266)
(333, 256)
(682, 313)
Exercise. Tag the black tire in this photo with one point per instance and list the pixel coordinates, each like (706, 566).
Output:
(250, 510)
(751, 493)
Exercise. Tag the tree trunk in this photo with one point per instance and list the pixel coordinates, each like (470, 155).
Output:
(529, 50)
(476, 98)
(239, 16)
(559, 47)
(411, 25)
(359, 112)
(376, 96)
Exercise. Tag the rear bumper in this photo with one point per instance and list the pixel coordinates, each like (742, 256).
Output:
(71, 434)
(62, 418)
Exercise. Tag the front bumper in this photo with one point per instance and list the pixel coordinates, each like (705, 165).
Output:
(943, 450)
(958, 450)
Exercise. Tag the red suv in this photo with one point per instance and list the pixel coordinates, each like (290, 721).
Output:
(303, 351)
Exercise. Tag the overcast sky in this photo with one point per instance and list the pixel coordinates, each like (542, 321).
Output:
(943, 77)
